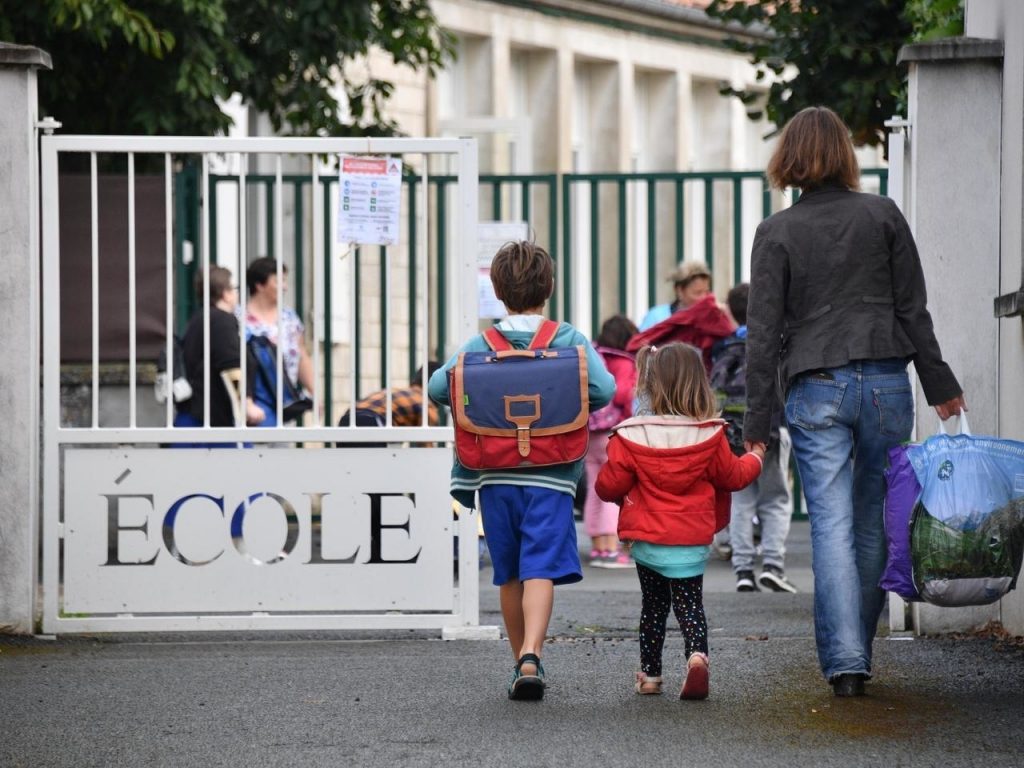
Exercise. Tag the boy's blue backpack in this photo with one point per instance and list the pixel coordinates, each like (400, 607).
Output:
(520, 407)
(729, 381)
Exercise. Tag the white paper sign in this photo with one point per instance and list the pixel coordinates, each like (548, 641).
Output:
(369, 200)
(259, 529)
(491, 235)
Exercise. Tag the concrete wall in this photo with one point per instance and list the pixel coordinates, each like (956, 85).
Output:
(19, 312)
(967, 211)
(1004, 20)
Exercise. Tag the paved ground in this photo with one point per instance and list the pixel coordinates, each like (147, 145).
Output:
(409, 699)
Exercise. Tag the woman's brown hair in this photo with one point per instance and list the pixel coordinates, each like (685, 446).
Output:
(675, 381)
(814, 149)
(523, 275)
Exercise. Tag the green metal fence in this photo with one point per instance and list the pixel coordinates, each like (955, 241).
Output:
(554, 205)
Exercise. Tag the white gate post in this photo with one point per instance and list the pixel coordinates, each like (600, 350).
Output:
(19, 317)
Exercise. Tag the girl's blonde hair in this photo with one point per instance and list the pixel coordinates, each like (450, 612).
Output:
(675, 382)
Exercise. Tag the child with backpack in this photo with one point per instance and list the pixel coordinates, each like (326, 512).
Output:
(767, 498)
(601, 518)
(671, 472)
(527, 510)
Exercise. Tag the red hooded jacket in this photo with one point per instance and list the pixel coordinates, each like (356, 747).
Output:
(672, 477)
(701, 325)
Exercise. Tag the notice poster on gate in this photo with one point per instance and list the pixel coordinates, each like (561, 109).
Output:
(369, 199)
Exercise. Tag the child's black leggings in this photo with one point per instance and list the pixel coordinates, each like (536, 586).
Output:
(685, 597)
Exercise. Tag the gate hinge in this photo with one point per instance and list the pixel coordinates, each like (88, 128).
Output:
(48, 125)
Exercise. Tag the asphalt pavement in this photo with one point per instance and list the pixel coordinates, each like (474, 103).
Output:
(407, 698)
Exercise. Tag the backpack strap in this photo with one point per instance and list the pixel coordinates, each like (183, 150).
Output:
(496, 340)
(544, 336)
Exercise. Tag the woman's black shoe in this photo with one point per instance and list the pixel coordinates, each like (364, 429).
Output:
(848, 685)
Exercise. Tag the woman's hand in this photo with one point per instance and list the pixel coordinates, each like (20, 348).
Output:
(951, 407)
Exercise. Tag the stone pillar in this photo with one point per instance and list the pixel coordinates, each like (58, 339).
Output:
(955, 106)
(19, 317)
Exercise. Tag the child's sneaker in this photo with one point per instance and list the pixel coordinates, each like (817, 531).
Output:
(695, 686)
(647, 685)
(596, 558)
(745, 582)
(773, 578)
(618, 559)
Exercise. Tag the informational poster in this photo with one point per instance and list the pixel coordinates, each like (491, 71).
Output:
(491, 235)
(369, 200)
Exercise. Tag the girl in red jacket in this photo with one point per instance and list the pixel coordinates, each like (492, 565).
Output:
(671, 471)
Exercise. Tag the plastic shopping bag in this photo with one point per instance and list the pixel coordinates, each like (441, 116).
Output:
(902, 490)
(967, 532)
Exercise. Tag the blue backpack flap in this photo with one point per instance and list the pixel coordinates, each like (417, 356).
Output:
(967, 532)
(263, 354)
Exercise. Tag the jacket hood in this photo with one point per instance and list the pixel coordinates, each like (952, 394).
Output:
(668, 432)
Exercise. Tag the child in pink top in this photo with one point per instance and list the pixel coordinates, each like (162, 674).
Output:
(601, 518)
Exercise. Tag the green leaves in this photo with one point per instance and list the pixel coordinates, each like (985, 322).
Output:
(160, 66)
(844, 54)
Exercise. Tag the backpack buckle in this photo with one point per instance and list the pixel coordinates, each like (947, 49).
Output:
(523, 421)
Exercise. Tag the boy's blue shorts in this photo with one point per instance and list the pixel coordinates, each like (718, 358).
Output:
(530, 533)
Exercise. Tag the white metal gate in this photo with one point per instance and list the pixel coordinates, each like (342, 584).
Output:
(141, 534)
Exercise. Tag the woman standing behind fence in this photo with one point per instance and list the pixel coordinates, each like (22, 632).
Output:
(262, 315)
(837, 310)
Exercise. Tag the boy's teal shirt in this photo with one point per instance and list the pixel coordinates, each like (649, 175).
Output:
(558, 477)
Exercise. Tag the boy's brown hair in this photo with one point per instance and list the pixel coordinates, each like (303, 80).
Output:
(523, 275)
(675, 381)
(814, 149)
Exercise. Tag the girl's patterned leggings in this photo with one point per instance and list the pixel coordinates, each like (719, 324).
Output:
(685, 597)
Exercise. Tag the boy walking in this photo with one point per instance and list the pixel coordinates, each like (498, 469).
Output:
(527, 512)
(768, 497)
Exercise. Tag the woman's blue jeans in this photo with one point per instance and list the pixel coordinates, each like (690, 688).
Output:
(843, 422)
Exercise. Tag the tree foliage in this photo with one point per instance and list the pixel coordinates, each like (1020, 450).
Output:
(160, 66)
(844, 54)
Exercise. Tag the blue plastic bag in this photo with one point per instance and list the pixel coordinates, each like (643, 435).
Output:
(967, 532)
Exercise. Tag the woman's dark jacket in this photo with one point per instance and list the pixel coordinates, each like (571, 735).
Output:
(833, 279)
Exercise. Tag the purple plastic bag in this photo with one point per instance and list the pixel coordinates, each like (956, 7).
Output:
(900, 496)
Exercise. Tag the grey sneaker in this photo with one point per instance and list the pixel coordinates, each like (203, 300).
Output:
(773, 578)
(745, 582)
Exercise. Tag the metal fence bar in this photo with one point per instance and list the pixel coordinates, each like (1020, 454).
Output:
(169, 293)
(566, 270)
(300, 281)
(423, 245)
(95, 230)
(623, 251)
(132, 359)
(328, 306)
(204, 304)
(278, 219)
(680, 221)
(412, 275)
(737, 230)
(242, 280)
(442, 270)
(552, 185)
(709, 223)
(652, 241)
(595, 255)
(316, 252)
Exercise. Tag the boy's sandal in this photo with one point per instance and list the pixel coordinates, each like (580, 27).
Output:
(647, 685)
(527, 687)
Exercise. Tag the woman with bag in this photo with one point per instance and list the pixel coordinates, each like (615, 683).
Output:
(601, 518)
(837, 310)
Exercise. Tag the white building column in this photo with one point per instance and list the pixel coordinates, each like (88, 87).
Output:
(19, 317)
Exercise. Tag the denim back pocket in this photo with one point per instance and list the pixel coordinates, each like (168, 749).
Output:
(814, 403)
(895, 411)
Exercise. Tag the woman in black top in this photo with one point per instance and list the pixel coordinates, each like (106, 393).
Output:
(224, 357)
(837, 309)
